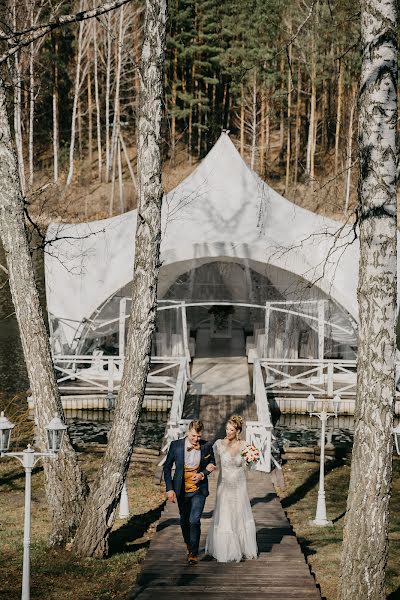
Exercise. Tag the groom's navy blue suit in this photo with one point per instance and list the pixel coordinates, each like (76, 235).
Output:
(191, 504)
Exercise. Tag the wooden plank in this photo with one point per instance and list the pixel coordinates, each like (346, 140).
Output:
(279, 573)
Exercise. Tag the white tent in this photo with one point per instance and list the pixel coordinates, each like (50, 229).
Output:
(222, 211)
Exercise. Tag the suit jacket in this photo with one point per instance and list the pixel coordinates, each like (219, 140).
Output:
(176, 454)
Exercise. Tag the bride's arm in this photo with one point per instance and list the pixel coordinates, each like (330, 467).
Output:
(212, 464)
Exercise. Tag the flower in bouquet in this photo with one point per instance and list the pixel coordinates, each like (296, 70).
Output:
(250, 454)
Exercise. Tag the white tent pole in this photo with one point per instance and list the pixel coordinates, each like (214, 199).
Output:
(184, 331)
(321, 336)
(122, 320)
(266, 327)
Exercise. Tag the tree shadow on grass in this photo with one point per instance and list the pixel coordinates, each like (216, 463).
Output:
(18, 476)
(121, 540)
(308, 484)
(394, 595)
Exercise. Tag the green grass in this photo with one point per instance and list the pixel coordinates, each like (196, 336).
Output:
(57, 573)
(322, 546)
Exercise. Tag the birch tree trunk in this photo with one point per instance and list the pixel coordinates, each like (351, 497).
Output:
(254, 124)
(267, 126)
(116, 120)
(338, 116)
(92, 536)
(90, 122)
(97, 100)
(349, 158)
(31, 106)
(65, 486)
(297, 128)
(313, 118)
(281, 109)
(173, 102)
(365, 543)
(289, 118)
(17, 121)
(108, 92)
(55, 112)
(262, 133)
(75, 104)
(120, 178)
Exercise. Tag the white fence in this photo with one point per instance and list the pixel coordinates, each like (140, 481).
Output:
(259, 433)
(300, 377)
(88, 374)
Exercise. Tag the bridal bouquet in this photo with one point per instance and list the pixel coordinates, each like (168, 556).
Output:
(251, 455)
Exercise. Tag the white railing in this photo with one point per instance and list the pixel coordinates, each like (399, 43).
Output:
(99, 373)
(176, 426)
(259, 433)
(301, 377)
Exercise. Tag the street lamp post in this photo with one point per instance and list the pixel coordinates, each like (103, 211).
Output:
(320, 516)
(28, 458)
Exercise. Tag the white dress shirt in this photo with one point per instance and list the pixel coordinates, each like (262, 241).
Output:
(192, 458)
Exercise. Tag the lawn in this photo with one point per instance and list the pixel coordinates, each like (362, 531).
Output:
(58, 574)
(322, 546)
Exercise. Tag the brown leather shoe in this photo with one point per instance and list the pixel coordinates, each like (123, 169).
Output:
(192, 559)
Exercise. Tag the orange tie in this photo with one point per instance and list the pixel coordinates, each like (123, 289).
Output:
(189, 448)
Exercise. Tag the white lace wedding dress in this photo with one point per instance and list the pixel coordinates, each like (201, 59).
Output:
(232, 533)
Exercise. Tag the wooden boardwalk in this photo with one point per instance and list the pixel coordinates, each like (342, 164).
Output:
(280, 572)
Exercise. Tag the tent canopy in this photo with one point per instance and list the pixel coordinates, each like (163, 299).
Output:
(222, 211)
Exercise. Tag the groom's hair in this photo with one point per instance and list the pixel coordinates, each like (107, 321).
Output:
(196, 425)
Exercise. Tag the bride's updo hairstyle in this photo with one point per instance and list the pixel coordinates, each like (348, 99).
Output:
(237, 422)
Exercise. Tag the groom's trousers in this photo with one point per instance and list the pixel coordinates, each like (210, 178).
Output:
(191, 507)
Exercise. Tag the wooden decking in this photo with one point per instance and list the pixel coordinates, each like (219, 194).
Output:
(280, 572)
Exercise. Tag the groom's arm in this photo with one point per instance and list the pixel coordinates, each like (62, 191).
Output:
(169, 462)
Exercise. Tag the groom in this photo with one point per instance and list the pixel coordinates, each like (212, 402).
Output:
(194, 461)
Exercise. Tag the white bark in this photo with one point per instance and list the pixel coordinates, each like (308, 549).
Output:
(108, 92)
(116, 120)
(39, 31)
(31, 109)
(349, 154)
(55, 113)
(97, 101)
(98, 517)
(120, 178)
(90, 121)
(128, 161)
(338, 115)
(254, 124)
(365, 543)
(75, 104)
(65, 487)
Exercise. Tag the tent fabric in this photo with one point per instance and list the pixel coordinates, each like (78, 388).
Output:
(222, 210)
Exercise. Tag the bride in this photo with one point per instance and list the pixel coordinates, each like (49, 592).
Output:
(232, 533)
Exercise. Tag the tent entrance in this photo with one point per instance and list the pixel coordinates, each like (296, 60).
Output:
(306, 329)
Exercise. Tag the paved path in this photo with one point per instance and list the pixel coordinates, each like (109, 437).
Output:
(280, 572)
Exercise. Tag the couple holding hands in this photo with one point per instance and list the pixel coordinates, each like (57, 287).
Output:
(232, 532)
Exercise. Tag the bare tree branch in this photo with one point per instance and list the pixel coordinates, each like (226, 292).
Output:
(39, 31)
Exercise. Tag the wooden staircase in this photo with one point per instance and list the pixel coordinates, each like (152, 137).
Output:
(279, 573)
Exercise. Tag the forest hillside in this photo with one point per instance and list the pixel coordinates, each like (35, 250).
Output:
(280, 75)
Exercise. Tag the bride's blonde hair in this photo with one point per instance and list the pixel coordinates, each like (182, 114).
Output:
(237, 422)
